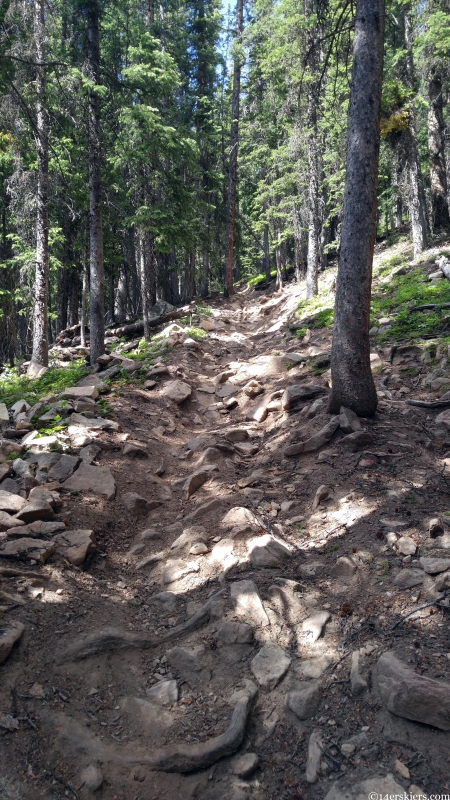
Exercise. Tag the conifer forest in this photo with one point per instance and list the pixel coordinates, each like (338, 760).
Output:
(224, 399)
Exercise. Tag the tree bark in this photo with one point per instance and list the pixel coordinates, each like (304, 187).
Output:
(352, 382)
(234, 144)
(96, 266)
(312, 268)
(417, 201)
(436, 147)
(83, 305)
(40, 316)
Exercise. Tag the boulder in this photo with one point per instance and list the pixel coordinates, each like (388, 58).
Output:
(434, 565)
(4, 415)
(407, 694)
(270, 665)
(63, 468)
(176, 390)
(231, 633)
(239, 515)
(443, 419)
(87, 478)
(408, 578)
(134, 450)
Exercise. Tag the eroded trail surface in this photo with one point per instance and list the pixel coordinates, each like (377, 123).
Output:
(204, 596)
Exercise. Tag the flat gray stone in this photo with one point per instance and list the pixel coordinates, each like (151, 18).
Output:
(300, 392)
(63, 468)
(164, 693)
(235, 633)
(87, 478)
(4, 415)
(93, 423)
(177, 569)
(186, 660)
(303, 702)
(7, 522)
(382, 786)
(345, 569)
(270, 665)
(176, 390)
(434, 565)
(408, 578)
(36, 510)
(28, 549)
(349, 422)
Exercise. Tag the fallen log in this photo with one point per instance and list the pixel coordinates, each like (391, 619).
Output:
(138, 327)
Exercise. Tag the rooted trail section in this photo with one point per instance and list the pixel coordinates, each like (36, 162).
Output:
(202, 597)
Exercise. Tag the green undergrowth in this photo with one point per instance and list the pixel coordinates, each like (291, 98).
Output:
(260, 278)
(15, 387)
(196, 333)
(398, 299)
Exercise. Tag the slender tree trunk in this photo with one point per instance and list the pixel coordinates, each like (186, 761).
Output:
(40, 318)
(234, 143)
(145, 289)
(266, 252)
(97, 275)
(436, 147)
(279, 264)
(417, 201)
(312, 45)
(352, 381)
(83, 303)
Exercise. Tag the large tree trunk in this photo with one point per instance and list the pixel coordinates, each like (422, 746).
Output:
(436, 147)
(97, 275)
(352, 381)
(417, 201)
(232, 172)
(40, 318)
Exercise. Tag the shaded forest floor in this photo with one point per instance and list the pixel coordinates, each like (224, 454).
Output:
(310, 558)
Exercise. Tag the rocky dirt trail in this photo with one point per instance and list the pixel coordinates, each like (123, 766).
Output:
(220, 591)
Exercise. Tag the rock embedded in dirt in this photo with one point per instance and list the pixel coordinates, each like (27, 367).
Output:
(246, 448)
(407, 694)
(406, 546)
(408, 578)
(176, 390)
(92, 423)
(266, 551)
(134, 450)
(345, 569)
(9, 635)
(5, 470)
(91, 778)
(11, 503)
(235, 633)
(245, 765)
(75, 545)
(304, 701)
(89, 453)
(36, 510)
(88, 478)
(164, 693)
(236, 435)
(198, 549)
(27, 549)
(166, 600)
(186, 660)
(204, 508)
(322, 493)
(239, 515)
(297, 392)
(443, 419)
(358, 440)
(64, 468)
(270, 665)
(177, 569)
(154, 558)
(194, 482)
(315, 624)
(349, 422)
(247, 602)
(434, 565)
(315, 749)
(253, 388)
(357, 682)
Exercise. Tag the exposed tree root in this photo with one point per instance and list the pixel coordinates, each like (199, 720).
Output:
(315, 442)
(180, 757)
(111, 640)
(431, 404)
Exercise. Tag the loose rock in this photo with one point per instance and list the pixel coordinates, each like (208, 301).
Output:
(349, 422)
(245, 765)
(9, 635)
(178, 391)
(303, 702)
(314, 756)
(358, 684)
(266, 551)
(314, 625)
(247, 602)
(99, 480)
(164, 693)
(270, 665)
